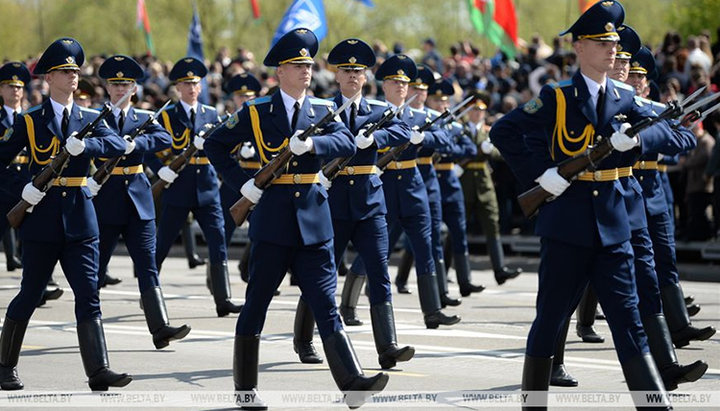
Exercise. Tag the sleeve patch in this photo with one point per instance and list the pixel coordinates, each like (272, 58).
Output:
(232, 121)
(532, 106)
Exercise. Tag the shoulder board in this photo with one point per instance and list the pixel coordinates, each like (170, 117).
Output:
(564, 83)
(622, 85)
(259, 100)
(416, 111)
(432, 112)
(321, 102)
(141, 111)
(376, 102)
(170, 107)
(89, 110)
(208, 107)
(31, 110)
(456, 124)
(657, 105)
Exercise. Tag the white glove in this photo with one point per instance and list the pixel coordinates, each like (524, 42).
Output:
(73, 145)
(486, 147)
(458, 170)
(300, 147)
(247, 151)
(199, 141)
(129, 144)
(93, 186)
(250, 191)
(167, 175)
(417, 137)
(324, 180)
(621, 141)
(362, 141)
(552, 182)
(31, 194)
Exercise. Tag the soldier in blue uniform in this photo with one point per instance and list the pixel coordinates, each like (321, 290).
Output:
(62, 225)
(357, 201)
(405, 194)
(585, 231)
(196, 187)
(124, 204)
(290, 226)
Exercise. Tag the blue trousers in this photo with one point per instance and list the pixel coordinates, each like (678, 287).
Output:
(370, 238)
(210, 218)
(79, 262)
(453, 214)
(314, 270)
(645, 275)
(228, 197)
(139, 236)
(564, 272)
(662, 234)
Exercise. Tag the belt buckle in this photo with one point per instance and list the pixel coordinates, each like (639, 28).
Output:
(297, 178)
(350, 170)
(63, 181)
(398, 164)
(597, 175)
(126, 170)
(642, 164)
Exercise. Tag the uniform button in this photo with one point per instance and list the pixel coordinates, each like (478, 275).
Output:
(123, 157)
(476, 173)
(352, 182)
(294, 163)
(297, 194)
(64, 194)
(399, 177)
(595, 193)
(198, 171)
(642, 178)
(127, 182)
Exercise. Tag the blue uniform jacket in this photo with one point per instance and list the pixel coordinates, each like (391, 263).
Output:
(17, 174)
(287, 214)
(364, 197)
(137, 186)
(559, 124)
(65, 213)
(461, 147)
(197, 184)
(427, 171)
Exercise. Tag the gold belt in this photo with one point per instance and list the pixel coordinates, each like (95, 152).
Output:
(123, 171)
(255, 165)
(647, 165)
(297, 179)
(21, 160)
(199, 161)
(70, 181)
(662, 168)
(426, 161)
(606, 175)
(357, 170)
(444, 166)
(401, 165)
(476, 165)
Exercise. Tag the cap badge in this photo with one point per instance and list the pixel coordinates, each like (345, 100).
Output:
(301, 31)
(119, 74)
(70, 60)
(188, 60)
(352, 60)
(353, 42)
(14, 77)
(17, 65)
(119, 58)
(190, 74)
(68, 42)
(608, 3)
(609, 26)
(401, 72)
(303, 52)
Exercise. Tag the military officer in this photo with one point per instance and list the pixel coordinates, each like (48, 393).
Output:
(124, 204)
(585, 231)
(62, 225)
(405, 194)
(357, 201)
(291, 225)
(195, 188)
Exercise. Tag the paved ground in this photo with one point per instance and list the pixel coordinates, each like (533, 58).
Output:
(483, 352)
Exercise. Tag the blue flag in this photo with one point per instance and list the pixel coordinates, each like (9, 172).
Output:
(303, 13)
(195, 49)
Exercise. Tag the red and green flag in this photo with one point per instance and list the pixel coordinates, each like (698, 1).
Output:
(496, 20)
(143, 22)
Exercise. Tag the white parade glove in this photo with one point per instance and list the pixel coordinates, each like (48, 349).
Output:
(300, 147)
(199, 141)
(73, 145)
(621, 141)
(250, 191)
(32, 195)
(362, 141)
(129, 144)
(324, 180)
(247, 151)
(487, 147)
(167, 175)
(458, 170)
(417, 137)
(552, 182)
(93, 186)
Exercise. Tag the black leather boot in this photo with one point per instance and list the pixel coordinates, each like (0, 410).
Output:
(536, 378)
(641, 374)
(347, 373)
(403, 271)
(12, 262)
(157, 319)
(244, 263)
(190, 245)
(464, 276)
(585, 314)
(342, 268)
(50, 293)
(93, 351)
(220, 280)
(441, 277)
(383, 326)
(678, 320)
(430, 303)
(349, 298)
(560, 377)
(661, 348)
(303, 334)
(11, 340)
(245, 372)
(497, 260)
(692, 309)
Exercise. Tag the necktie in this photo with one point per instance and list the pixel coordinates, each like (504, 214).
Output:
(600, 103)
(353, 116)
(65, 122)
(293, 122)
(12, 118)
(121, 121)
(192, 118)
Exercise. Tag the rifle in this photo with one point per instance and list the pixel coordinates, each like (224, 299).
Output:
(395, 152)
(103, 172)
(571, 168)
(43, 181)
(333, 168)
(182, 160)
(272, 170)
